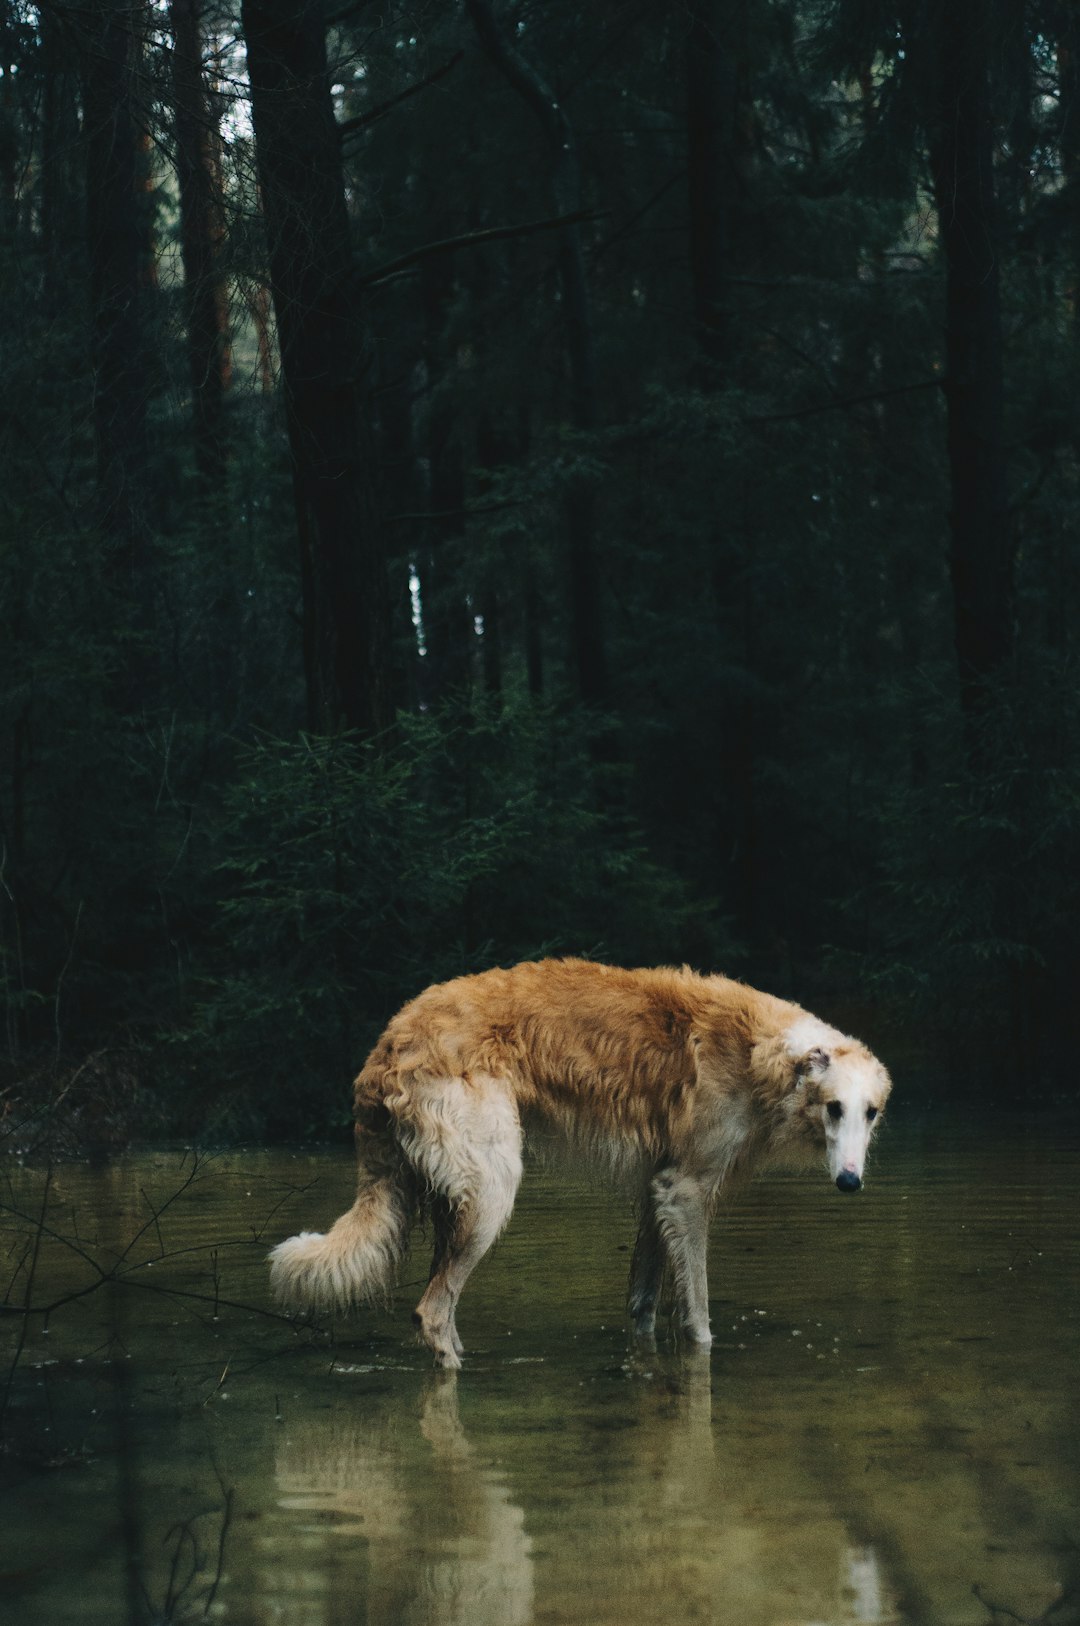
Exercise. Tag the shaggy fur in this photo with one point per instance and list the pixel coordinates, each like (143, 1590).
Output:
(680, 1080)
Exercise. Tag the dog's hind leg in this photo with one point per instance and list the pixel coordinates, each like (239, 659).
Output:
(442, 1223)
(466, 1142)
(683, 1217)
(646, 1271)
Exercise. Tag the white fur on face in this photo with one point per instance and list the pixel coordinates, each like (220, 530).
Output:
(854, 1082)
(854, 1085)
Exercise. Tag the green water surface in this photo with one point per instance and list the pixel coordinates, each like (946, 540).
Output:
(884, 1431)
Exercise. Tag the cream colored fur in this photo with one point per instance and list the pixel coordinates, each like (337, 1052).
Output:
(684, 1080)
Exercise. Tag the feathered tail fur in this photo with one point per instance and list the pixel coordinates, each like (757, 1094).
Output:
(358, 1259)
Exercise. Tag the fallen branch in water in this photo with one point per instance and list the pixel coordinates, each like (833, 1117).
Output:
(21, 1342)
(123, 1271)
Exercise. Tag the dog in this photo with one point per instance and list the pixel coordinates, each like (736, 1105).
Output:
(680, 1081)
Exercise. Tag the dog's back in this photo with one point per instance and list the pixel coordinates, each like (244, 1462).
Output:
(596, 1049)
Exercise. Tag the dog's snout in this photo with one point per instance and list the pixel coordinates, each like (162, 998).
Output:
(848, 1180)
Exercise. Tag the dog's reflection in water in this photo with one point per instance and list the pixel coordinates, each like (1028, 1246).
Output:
(396, 1511)
(442, 1539)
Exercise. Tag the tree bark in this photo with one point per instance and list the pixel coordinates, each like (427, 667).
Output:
(1067, 38)
(962, 155)
(258, 304)
(116, 252)
(711, 91)
(713, 161)
(446, 617)
(60, 208)
(202, 235)
(492, 452)
(9, 127)
(326, 369)
(587, 635)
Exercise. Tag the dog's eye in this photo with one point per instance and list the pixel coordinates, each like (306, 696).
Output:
(871, 1114)
(836, 1111)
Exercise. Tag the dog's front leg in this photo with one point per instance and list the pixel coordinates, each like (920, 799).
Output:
(683, 1217)
(646, 1272)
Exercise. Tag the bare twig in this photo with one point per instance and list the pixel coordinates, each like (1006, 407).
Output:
(63, 974)
(123, 1273)
(21, 1341)
(362, 120)
(259, 1231)
(155, 1215)
(465, 512)
(628, 225)
(157, 1226)
(470, 239)
(848, 401)
(226, 1521)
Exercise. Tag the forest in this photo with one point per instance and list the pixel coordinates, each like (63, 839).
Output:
(513, 478)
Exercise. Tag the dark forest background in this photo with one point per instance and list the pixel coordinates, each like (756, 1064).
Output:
(487, 479)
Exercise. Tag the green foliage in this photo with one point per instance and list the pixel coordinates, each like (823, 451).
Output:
(976, 888)
(780, 783)
(351, 877)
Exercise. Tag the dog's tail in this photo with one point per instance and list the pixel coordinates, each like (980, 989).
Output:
(357, 1260)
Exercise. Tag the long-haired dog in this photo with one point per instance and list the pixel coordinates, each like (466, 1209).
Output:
(680, 1080)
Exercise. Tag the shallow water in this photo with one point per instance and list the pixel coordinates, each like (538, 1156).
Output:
(884, 1430)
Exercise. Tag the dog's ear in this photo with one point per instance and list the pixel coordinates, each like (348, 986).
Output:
(812, 1067)
(782, 1071)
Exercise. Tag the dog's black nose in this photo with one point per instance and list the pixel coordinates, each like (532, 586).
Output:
(847, 1181)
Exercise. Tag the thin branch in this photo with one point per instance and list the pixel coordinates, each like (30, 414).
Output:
(155, 1214)
(614, 40)
(362, 120)
(847, 401)
(520, 74)
(226, 1521)
(628, 225)
(470, 239)
(63, 973)
(21, 1341)
(55, 1236)
(465, 512)
(207, 1298)
(346, 12)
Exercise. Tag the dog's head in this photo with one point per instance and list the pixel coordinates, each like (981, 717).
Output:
(838, 1093)
(823, 1092)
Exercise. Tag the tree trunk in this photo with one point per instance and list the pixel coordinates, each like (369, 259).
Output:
(711, 90)
(713, 124)
(116, 252)
(9, 127)
(326, 368)
(60, 208)
(258, 304)
(446, 618)
(962, 153)
(492, 452)
(532, 604)
(588, 651)
(399, 483)
(1067, 36)
(202, 233)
